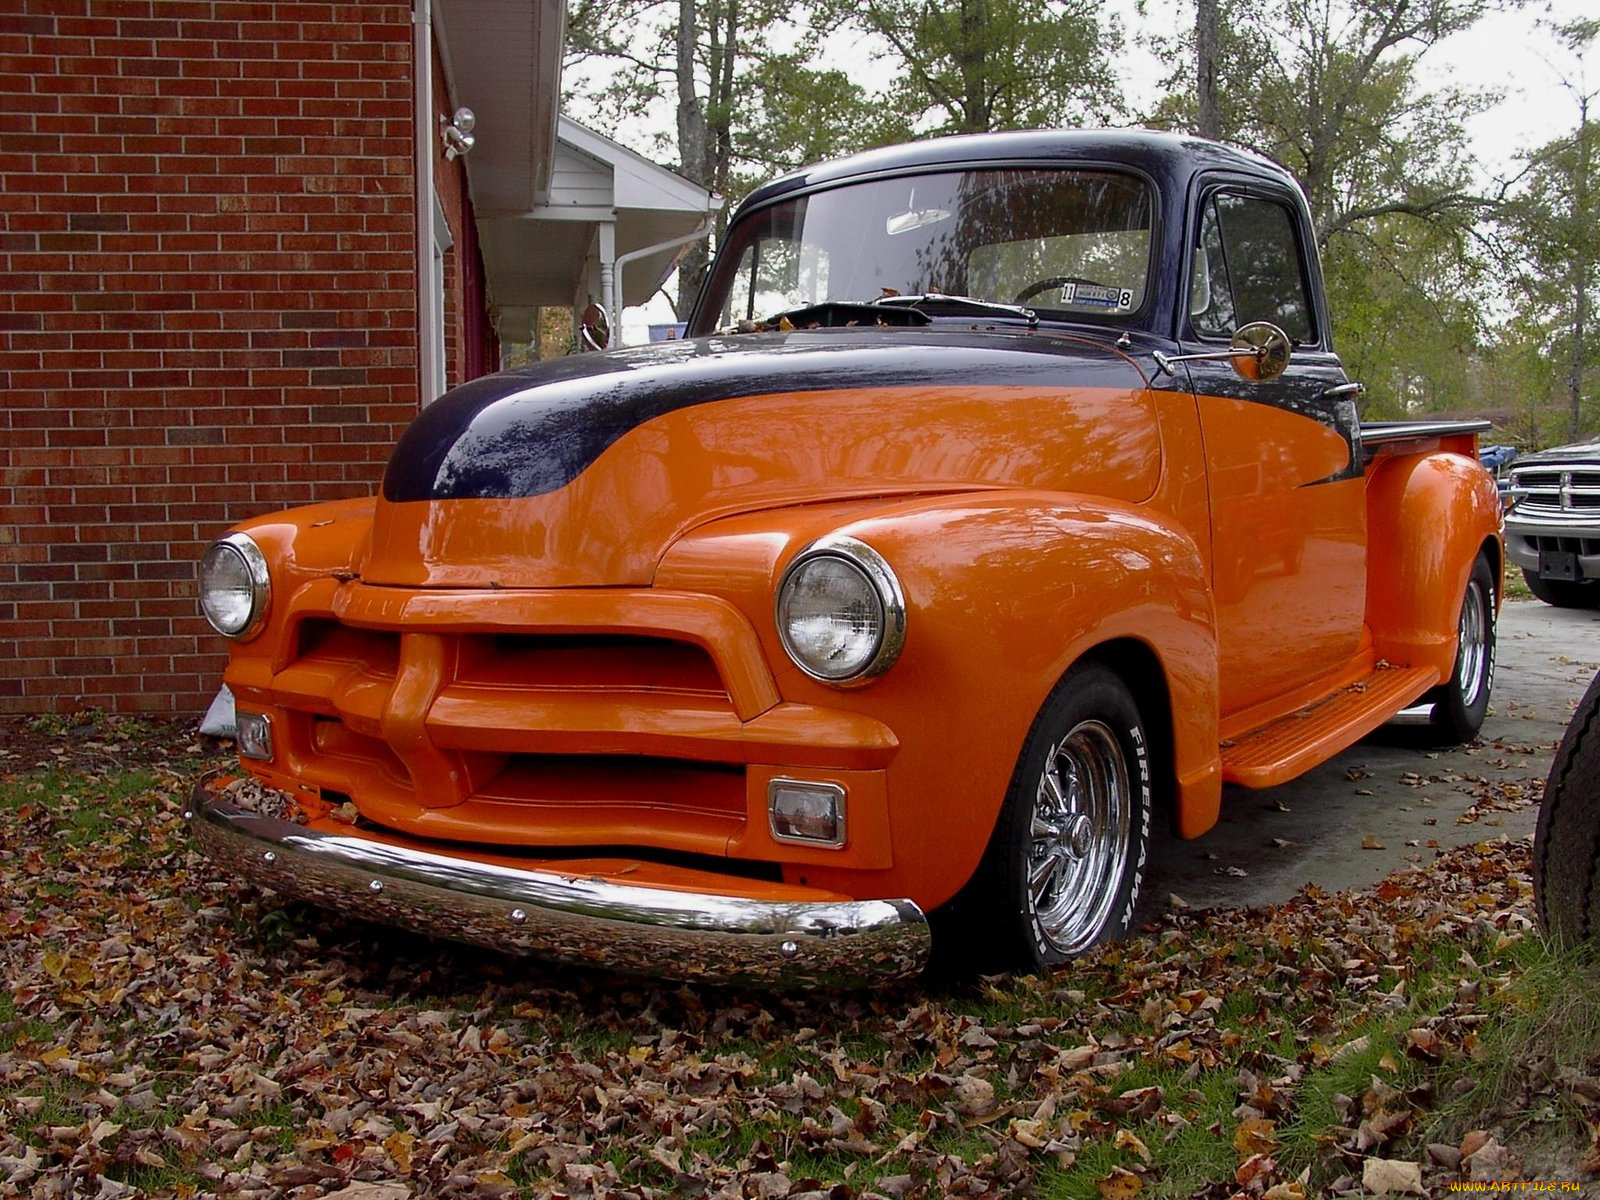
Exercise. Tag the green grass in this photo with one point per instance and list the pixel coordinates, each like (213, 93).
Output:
(1545, 1023)
(280, 1118)
(1515, 586)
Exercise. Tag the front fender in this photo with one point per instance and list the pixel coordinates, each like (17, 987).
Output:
(303, 547)
(1005, 591)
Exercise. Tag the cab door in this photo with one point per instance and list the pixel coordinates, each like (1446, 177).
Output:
(1288, 504)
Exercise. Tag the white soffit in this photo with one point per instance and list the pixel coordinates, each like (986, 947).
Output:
(637, 182)
(503, 61)
(542, 184)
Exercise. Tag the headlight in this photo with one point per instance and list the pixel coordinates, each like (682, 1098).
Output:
(234, 586)
(840, 612)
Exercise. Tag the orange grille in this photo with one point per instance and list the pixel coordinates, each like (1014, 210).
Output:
(559, 738)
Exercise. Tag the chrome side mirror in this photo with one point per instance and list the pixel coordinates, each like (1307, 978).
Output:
(594, 331)
(1259, 352)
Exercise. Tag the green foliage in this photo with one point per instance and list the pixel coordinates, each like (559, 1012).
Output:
(1404, 295)
(1330, 89)
(971, 66)
(1552, 229)
(807, 114)
(768, 106)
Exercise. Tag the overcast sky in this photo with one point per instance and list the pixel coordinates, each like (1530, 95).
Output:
(1511, 53)
(1508, 52)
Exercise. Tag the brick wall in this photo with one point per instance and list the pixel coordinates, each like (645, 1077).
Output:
(208, 311)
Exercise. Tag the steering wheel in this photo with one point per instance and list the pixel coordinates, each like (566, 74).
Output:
(1055, 281)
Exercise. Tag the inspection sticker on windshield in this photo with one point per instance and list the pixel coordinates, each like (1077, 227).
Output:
(1094, 295)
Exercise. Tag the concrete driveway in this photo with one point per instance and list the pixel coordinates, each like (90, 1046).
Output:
(1391, 799)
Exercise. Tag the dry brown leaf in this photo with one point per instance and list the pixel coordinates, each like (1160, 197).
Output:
(1424, 1044)
(1126, 1140)
(1255, 1135)
(1254, 1171)
(1391, 1176)
(973, 1096)
(1590, 1164)
(1121, 1184)
(370, 1191)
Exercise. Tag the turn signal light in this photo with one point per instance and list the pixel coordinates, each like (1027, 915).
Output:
(806, 812)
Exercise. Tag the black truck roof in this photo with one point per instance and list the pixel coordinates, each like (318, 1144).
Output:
(1169, 159)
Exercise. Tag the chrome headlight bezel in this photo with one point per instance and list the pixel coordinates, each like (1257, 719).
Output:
(241, 547)
(881, 585)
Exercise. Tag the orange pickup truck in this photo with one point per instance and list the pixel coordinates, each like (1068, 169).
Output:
(1005, 497)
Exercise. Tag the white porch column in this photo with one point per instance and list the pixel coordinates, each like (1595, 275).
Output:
(609, 299)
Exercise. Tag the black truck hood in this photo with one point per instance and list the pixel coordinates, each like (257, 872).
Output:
(533, 430)
(1576, 452)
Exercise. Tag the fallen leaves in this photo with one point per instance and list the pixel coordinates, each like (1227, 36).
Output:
(171, 1025)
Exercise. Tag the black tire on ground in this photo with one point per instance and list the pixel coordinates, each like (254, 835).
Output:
(1067, 857)
(1461, 704)
(1566, 844)
(1584, 593)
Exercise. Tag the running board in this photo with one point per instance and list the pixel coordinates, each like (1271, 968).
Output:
(1295, 743)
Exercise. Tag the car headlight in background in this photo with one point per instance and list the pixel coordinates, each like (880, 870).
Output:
(234, 586)
(840, 612)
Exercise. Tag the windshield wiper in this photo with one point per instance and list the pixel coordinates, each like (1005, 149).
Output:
(832, 314)
(926, 299)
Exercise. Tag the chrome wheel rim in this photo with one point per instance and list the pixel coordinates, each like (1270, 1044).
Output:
(1080, 837)
(1472, 646)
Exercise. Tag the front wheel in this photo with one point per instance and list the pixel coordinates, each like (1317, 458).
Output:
(1566, 843)
(1460, 705)
(1067, 858)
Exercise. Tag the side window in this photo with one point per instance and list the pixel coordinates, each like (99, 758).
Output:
(773, 274)
(1248, 267)
(1210, 294)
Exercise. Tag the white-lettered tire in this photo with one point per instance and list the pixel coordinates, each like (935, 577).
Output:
(1461, 703)
(1566, 842)
(1067, 858)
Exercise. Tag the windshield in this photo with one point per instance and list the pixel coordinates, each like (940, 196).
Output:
(1072, 244)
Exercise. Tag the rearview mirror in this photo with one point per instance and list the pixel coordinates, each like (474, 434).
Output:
(1260, 351)
(594, 331)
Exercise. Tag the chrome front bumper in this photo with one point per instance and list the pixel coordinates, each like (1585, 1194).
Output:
(569, 918)
(1579, 530)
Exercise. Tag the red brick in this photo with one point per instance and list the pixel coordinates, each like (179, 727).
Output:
(208, 214)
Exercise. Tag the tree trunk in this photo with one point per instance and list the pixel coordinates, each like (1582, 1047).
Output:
(1580, 272)
(1209, 121)
(693, 147)
(691, 111)
(976, 103)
